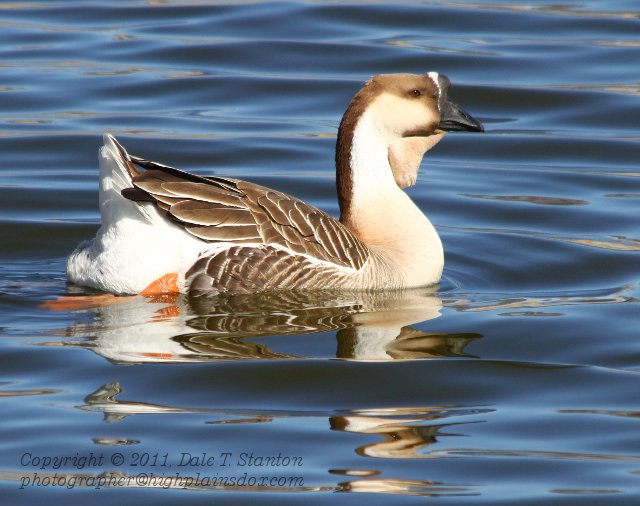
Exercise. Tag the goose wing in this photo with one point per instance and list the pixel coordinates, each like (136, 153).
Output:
(217, 209)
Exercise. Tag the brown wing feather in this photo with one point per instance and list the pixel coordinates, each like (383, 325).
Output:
(303, 228)
(219, 209)
(246, 270)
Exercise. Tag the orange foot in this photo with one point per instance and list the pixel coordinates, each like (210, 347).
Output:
(162, 290)
(167, 284)
(72, 302)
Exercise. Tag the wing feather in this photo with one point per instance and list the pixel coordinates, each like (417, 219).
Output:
(242, 234)
(204, 192)
(203, 213)
(217, 209)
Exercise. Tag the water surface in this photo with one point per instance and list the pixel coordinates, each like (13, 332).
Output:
(512, 381)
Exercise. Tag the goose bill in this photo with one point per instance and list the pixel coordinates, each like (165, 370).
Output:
(455, 119)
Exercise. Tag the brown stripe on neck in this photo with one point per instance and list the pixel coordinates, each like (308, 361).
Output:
(344, 145)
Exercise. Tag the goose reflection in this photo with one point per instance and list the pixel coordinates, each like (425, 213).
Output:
(368, 326)
(401, 433)
(404, 432)
(401, 438)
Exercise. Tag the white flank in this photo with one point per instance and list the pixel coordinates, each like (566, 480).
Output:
(135, 244)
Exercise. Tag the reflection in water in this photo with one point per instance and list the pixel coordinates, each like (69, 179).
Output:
(405, 433)
(489, 303)
(104, 400)
(607, 412)
(23, 393)
(620, 244)
(112, 441)
(75, 480)
(530, 199)
(116, 478)
(369, 326)
(534, 455)
(123, 480)
(556, 9)
(406, 487)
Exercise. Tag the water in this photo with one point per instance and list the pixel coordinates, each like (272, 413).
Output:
(514, 381)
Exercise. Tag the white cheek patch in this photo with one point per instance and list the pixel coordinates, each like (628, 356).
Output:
(436, 80)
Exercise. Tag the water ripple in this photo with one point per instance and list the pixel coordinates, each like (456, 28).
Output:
(514, 381)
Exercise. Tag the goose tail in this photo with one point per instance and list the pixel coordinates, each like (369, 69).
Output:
(116, 174)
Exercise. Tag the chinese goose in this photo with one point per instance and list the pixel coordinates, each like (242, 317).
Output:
(168, 231)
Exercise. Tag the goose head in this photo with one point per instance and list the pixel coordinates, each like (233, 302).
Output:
(390, 124)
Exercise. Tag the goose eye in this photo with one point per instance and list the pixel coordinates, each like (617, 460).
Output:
(416, 93)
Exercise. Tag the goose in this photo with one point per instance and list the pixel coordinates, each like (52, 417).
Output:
(166, 231)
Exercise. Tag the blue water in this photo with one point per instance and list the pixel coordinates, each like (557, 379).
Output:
(514, 381)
